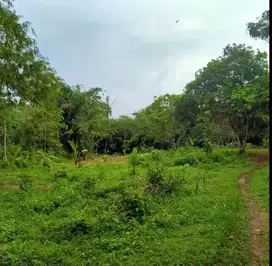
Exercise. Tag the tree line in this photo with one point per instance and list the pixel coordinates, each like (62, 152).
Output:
(226, 103)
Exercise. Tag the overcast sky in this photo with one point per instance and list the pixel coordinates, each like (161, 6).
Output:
(134, 48)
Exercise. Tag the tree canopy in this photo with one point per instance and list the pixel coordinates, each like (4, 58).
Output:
(260, 29)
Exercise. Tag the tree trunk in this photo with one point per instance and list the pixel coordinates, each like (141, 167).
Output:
(5, 140)
(243, 141)
(45, 138)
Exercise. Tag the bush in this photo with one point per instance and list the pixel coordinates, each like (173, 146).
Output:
(156, 184)
(61, 173)
(4, 164)
(156, 155)
(133, 160)
(187, 159)
(24, 182)
(68, 229)
(218, 157)
(155, 176)
(207, 146)
(87, 184)
(20, 162)
(132, 207)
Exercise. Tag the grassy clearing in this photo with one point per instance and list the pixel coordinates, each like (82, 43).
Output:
(180, 208)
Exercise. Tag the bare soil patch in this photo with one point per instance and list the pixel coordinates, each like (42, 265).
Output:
(258, 220)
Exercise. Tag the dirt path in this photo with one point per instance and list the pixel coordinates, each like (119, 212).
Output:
(258, 219)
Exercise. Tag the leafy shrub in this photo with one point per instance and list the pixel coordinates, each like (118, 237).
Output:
(155, 176)
(218, 157)
(87, 184)
(61, 173)
(156, 155)
(145, 159)
(187, 159)
(74, 178)
(45, 159)
(46, 207)
(132, 207)
(105, 157)
(24, 182)
(207, 146)
(4, 164)
(20, 162)
(133, 160)
(103, 192)
(69, 228)
(156, 184)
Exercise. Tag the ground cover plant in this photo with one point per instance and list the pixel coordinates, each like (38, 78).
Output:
(108, 215)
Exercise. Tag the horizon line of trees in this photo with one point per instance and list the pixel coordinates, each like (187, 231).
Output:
(227, 102)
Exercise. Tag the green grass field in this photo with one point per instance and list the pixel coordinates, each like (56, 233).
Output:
(174, 211)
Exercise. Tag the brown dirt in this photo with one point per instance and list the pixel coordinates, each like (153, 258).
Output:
(43, 187)
(10, 186)
(258, 219)
(16, 187)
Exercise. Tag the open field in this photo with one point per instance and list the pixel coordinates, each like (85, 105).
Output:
(168, 213)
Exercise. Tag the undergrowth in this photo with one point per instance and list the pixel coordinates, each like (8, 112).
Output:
(170, 211)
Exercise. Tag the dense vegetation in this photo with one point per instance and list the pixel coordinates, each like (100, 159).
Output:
(179, 208)
(174, 196)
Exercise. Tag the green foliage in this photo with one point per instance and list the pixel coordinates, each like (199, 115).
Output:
(25, 182)
(98, 215)
(260, 189)
(46, 160)
(260, 29)
(155, 176)
(132, 207)
(74, 146)
(59, 174)
(156, 155)
(207, 146)
(187, 160)
(133, 160)
(156, 184)
(101, 212)
(104, 157)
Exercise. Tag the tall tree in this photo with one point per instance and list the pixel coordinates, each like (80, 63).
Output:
(239, 68)
(23, 71)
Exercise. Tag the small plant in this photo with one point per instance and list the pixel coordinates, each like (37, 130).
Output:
(132, 207)
(156, 184)
(133, 160)
(45, 159)
(24, 182)
(266, 143)
(126, 145)
(77, 154)
(207, 146)
(218, 157)
(156, 155)
(87, 184)
(105, 157)
(61, 173)
(20, 162)
(69, 228)
(4, 164)
(155, 176)
(187, 159)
